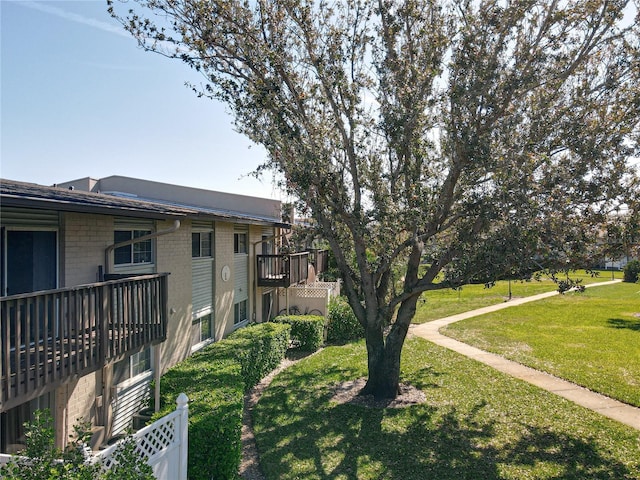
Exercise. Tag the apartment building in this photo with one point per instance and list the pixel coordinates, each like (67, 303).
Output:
(107, 283)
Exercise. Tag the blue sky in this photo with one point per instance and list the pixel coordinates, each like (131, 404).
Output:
(79, 98)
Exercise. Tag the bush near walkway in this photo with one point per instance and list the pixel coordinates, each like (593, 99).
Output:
(342, 324)
(307, 331)
(215, 380)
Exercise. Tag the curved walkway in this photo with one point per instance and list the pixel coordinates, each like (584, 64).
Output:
(606, 406)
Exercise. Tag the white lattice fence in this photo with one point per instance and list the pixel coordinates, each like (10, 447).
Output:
(305, 298)
(333, 287)
(163, 443)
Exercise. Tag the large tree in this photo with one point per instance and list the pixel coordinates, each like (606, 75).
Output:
(469, 139)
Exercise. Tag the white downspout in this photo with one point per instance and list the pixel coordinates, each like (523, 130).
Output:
(156, 373)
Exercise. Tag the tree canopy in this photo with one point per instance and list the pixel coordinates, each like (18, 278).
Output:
(466, 139)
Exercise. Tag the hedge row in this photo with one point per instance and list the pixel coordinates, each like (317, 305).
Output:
(306, 330)
(215, 379)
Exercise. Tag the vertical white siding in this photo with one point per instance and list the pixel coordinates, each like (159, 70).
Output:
(241, 277)
(130, 398)
(202, 286)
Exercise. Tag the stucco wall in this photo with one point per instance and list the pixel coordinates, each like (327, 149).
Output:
(255, 236)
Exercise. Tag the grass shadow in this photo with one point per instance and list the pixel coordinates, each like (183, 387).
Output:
(621, 323)
(576, 458)
(296, 354)
(423, 378)
(303, 434)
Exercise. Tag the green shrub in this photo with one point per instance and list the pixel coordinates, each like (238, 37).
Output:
(632, 271)
(343, 324)
(306, 330)
(215, 379)
(41, 460)
(215, 389)
(259, 349)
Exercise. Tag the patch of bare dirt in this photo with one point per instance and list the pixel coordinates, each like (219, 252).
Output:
(250, 462)
(348, 392)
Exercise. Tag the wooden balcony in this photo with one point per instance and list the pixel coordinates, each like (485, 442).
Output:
(319, 259)
(52, 336)
(282, 270)
(289, 269)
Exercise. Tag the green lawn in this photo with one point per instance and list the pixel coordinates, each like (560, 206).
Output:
(443, 303)
(476, 424)
(592, 338)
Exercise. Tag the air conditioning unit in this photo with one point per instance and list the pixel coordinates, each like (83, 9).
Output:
(141, 419)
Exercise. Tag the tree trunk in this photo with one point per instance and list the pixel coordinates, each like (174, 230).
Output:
(384, 354)
(384, 367)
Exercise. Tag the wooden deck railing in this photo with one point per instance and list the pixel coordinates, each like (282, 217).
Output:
(319, 259)
(51, 336)
(282, 270)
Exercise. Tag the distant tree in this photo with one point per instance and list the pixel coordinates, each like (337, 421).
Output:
(632, 271)
(622, 235)
(486, 136)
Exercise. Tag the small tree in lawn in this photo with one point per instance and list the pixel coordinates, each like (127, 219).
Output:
(493, 136)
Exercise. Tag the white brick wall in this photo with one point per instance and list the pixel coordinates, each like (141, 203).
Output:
(84, 240)
(85, 237)
(173, 254)
(74, 402)
(223, 290)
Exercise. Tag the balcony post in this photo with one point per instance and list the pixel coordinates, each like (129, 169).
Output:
(102, 327)
(103, 322)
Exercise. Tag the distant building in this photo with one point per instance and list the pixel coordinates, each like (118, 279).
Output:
(619, 242)
(105, 284)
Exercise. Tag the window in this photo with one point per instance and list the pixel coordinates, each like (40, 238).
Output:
(140, 362)
(267, 245)
(139, 252)
(240, 243)
(201, 329)
(29, 261)
(240, 312)
(200, 244)
(135, 365)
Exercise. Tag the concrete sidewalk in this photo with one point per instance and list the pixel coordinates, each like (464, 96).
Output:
(599, 403)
